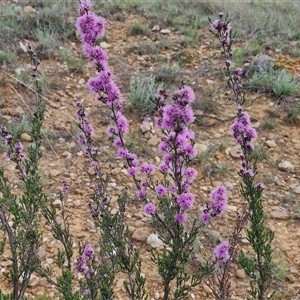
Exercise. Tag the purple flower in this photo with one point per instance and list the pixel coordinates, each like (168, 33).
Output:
(185, 201)
(239, 71)
(88, 251)
(149, 209)
(84, 7)
(205, 218)
(259, 186)
(111, 130)
(190, 174)
(65, 188)
(249, 173)
(131, 171)
(180, 218)
(160, 190)
(87, 128)
(147, 169)
(122, 152)
(117, 142)
(219, 201)
(19, 147)
(221, 251)
(141, 193)
(122, 123)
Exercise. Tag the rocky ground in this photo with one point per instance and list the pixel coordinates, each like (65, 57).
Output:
(217, 163)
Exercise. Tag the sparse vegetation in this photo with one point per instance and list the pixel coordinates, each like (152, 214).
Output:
(142, 91)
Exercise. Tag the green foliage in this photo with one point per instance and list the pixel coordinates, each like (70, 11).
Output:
(283, 83)
(47, 42)
(293, 113)
(6, 57)
(167, 73)
(268, 124)
(279, 82)
(142, 92)
(138, 28)
(17, 128)
(75, 65)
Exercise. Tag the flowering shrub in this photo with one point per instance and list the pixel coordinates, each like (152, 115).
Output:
(167, 201)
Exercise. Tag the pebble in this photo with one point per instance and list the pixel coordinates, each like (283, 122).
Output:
(236, 151)
(34, 280)
(200, 148)
(240, 273)
(54, 173)
(286, 166)
(141, 234)
(165, 31)
(279, 214)
(154, 241)
(156, 28)
(29, 9)
(271, 144)
(146, 126)
(26, 137)
(104, 45)
(297, 189)
(57, 203)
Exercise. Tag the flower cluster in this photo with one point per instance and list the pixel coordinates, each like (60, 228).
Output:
(221, 251)
(15, 152)
(244, 134)
(84, 265)
(217, 205)
(222, 30)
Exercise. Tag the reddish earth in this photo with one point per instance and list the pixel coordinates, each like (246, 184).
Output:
(63, 159)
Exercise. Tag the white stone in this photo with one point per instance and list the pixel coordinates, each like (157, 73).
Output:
(154, 241)
(286, 166)
(165, 31)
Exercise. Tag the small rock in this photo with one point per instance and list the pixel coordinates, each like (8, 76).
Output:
(297, 189)
(209, 81)
(286, 166)
(207, 289)
(200, 148)
(26, 137)
(156, 28)
(120, 283)
(29, 9)
(294, 270)
(43, 282)
(271, 144)
(154, 141)
(154, 241)
(57, 203)
(228, 185)
(41, 253)
(146, 126)
(240, 273)
(141, 234)
(156, 295)
(236, 151)
(104, 45)
(54, 173)
(165, 31)
(34, 280)
(280, 214)
(20, 70)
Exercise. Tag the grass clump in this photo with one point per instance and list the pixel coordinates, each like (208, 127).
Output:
(75, 65)
(138, 28)
(142, 91)
(279, 82)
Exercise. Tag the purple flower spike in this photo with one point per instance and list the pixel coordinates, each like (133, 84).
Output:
(149, 209)
(88, 251)
(180, 218)
(221, 251)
